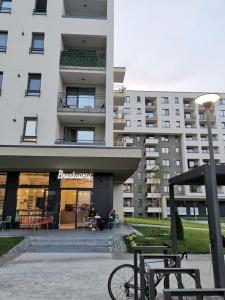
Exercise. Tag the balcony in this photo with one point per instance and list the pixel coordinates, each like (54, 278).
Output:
(151, 154)
(153, 195)
(128, 209)
(189, 106)
(93, 9)
(151, 117)
(189, 118)
(88, 143)
(119, 122)
(153, 181)
(150, 141)
(128, 194)
(129, 142)
(119, 97)
(129, 181)
(151, 167)
(83, 59)
(153, 210)
(150, 106)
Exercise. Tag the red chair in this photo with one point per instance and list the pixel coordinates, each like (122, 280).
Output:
(46, 221)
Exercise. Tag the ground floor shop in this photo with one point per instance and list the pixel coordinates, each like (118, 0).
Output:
(65, 196)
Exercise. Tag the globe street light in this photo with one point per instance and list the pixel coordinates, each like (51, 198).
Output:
(207, 101)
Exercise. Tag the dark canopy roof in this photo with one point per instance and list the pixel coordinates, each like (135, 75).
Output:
(195, 176)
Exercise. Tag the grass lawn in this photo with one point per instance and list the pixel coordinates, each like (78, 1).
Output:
(164, 222)
(195, 242)
(6, 243)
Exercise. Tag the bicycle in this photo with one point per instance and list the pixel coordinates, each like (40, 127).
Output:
(121, 280)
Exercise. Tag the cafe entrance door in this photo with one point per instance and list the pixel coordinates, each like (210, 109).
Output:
(74, 207)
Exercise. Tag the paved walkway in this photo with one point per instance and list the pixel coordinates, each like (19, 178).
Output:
(72, 265)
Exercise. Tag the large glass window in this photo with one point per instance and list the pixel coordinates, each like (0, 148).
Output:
(1, 77)
(37, 45)
(5, 6)
(3, 40)
(34, 179)
(30, 130)
(34, 85)
(2, 198)
(80, 97)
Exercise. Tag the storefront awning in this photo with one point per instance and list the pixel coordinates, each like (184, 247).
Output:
(121, 162)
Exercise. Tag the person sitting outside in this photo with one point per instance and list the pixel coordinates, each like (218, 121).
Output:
(112, 215)
(92, 214)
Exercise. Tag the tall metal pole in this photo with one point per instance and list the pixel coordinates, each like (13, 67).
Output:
(213, 212)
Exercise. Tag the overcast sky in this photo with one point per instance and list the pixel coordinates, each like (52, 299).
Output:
(174, 45)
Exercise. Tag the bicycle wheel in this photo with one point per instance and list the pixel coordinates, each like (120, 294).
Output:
(121, 283)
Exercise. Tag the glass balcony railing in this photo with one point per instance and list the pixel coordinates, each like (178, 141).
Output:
(87, 59)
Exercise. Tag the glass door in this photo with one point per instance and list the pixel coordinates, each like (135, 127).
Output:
(83, 206)
(68, 209)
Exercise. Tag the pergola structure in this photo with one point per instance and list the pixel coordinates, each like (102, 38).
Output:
(202, 176)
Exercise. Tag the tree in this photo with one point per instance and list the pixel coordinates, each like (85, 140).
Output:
(179, 227)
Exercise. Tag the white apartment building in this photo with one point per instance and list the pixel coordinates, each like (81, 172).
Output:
(56, 111)
(172, 131)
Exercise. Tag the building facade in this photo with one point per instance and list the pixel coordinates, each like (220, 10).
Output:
(172, 132)
(56, 111)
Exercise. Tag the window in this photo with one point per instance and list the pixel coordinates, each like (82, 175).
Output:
(177, 150)
(177, 112)
(222, 113)
(193, 189)
(37, 45)
(127, 99)
(178, 124)
(165, 100)
(138, 111)
(177, 162)
(149, 115)
(166, 175)
(30, 129)
(166, 124)
(138, 99)
(189, 138)
(3, 40)
(191, 164)
(138, 138)
(85, 135)
(140, 203)
(139, 176)
(150, 162)
(138, 123)
(179, 189)
(80, 98)
(224, 137)
(222, 101)
(166, 162)
(139, 189)
(166, 189)
(187, 116)
(1, 78)
(128, 123)
(165, 112)
(176, 100)
(165, 150)
(150, 125)
(34, 85)
(40, 7)
(126, 111)
(5, 6)
(223, 125)
(164, 139)
(150, 149)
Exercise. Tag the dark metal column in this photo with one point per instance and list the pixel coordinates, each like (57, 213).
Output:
(214, 227)
(173, 218)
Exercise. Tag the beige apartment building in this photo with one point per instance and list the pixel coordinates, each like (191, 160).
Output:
(172, 132)
(57, 155)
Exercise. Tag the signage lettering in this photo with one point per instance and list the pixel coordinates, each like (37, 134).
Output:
(74, 175)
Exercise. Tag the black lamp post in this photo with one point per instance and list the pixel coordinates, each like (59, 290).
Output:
(212, 200)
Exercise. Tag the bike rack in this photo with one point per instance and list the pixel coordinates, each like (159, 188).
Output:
(169, 271)
(138, 251)
(165, 258)
(168, 294)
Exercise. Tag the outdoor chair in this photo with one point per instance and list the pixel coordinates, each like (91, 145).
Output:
(8, 220)
(1, 224)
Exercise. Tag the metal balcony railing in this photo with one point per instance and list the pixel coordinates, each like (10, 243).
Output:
(3, 49)
(38, 11)
(5, 9)
(73, 103)
(78, 58)
(80, 142)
